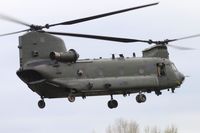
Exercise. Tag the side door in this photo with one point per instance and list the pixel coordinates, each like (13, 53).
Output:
(161, 69)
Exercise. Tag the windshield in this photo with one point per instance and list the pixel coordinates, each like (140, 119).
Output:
(174, 67)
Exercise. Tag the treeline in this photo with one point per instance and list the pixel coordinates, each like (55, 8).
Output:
(125, 126)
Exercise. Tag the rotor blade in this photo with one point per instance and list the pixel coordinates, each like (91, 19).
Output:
(11, 19)
(187, 37)
(115, 39)
(182, 38)
(101, 15)
(14, 32)
(180, 47)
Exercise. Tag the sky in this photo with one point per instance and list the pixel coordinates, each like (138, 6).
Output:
(168, 20)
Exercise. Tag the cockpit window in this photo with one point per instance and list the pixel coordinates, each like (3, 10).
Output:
(174, 67)
(161, 70)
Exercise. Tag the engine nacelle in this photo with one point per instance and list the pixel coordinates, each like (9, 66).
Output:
(69, 56)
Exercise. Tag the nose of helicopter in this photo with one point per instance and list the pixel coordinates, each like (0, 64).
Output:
(181, 78)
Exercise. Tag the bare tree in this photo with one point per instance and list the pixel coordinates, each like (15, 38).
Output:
(155, 130)
(109, 129)
(147, 129)
(171, 129)
(122, 126)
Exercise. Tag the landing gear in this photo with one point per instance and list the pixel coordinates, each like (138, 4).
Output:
(41, 104)
(158, 92)
(141, 98)
(112, 103)
(71, 98)
(83, 97)
(173, 89)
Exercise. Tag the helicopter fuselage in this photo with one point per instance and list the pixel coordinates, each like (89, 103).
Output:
(53, 72)
(52, 79)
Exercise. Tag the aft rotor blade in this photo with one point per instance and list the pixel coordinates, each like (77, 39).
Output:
(11, 19)
(14, 32)
(101, 15)
(107, 38)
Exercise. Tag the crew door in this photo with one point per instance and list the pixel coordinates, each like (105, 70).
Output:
(162, 74)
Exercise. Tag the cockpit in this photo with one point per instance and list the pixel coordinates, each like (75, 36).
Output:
(174, 67)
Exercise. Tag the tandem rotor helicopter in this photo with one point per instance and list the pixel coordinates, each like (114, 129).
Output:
(52, 71)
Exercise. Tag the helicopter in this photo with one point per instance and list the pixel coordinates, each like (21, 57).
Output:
(52, 71)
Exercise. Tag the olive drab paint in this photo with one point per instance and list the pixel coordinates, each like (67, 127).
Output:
(54, 78)
(52, 71)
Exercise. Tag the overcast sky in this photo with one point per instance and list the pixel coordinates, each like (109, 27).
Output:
(170, 19)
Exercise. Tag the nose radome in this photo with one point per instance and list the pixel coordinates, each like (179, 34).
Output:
(181, 77)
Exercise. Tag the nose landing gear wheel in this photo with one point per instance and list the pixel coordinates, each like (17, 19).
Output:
(41, 104)
(112, 104)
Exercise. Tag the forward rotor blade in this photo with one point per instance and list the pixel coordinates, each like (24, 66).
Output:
(167, 41)
(115, 39)
(14, 32)
(187, 37)
(101, 15)
(180, 47)
(11, 19)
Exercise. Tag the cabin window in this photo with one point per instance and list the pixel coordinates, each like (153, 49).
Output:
(161, 70)
(35, 53)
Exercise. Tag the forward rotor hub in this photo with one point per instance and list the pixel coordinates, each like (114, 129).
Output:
(36, 27)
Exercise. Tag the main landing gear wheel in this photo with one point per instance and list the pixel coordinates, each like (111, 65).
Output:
(141, 98)
(112, 104)
(41, 104)
(71, 98)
